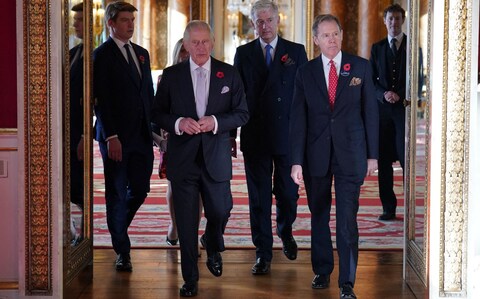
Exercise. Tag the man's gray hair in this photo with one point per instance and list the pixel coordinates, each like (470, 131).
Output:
(196, 24)
(262, 5)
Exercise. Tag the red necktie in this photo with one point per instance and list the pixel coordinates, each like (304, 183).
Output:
(332, 84)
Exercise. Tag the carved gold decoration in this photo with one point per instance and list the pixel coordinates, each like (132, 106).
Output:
(38, 162)
(454, 152)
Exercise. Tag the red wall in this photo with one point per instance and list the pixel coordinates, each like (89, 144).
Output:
(8, 66)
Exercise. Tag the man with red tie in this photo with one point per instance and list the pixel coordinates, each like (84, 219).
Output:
(334, 119)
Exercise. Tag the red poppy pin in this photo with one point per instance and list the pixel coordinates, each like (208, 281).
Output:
(220, 75)
(346, 67)
(142, 59)
(287, 60)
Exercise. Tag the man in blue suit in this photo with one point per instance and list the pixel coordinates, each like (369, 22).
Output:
(268, 66)
(124, 94)
(198, 102)
(334, 120)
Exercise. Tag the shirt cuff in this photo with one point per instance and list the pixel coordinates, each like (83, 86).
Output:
(177, 125)
(111, 137)
(215, 127)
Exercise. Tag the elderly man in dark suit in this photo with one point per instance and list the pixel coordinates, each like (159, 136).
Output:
(389, 66)
(334, 120)
(199, 101)
(268, 66)
(124, 93)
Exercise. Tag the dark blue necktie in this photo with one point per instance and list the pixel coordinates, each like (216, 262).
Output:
(268, 55)
(393, 45)
(133, 67)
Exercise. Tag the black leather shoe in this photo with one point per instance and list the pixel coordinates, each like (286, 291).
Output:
(346, 291)
(172, 242)
(321, 281)
(215, 264)
(203, 241)
(189, 289)
(123, 263)
(387, 216)
(290, 248)
(261, 267)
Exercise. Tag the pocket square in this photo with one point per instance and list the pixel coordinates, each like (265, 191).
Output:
(355, 81)
(225, 89)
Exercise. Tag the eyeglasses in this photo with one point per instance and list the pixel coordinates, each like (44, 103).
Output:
(261, 23)
(197, 43)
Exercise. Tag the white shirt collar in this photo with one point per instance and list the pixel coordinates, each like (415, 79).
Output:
(207, 65)
(337, 59)
(273, 43)
(398, 37)
(119, 43)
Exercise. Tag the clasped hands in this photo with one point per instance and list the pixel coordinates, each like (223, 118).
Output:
(391, 97)
(192, 127)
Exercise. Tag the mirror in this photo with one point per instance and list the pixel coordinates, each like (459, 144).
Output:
(417, 137)
(77, 127)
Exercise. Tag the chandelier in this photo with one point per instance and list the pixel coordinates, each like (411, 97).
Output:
(243, 6)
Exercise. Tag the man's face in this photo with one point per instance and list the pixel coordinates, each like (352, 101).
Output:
(266, 24)
(78, 24)
(329, 38)
(393, 22)
(199, 44)
(123, 27)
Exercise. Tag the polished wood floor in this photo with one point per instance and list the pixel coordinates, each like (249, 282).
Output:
(156, 274)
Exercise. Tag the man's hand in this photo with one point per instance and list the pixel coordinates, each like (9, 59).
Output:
(297, 174)
(372, 165)
(391, 97)
(114, 149)
(189, 126)
(80, 153)
(206, 123)
(233, 144)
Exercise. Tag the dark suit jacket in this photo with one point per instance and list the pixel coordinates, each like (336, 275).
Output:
(76, 98)
(122, 107)
(269, 94)
(226, 101)
(380, 73)
(351, 130)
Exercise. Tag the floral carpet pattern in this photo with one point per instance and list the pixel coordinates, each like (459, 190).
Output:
(148, 229)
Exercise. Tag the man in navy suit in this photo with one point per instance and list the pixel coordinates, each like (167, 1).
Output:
(268, 66)
(389, 66)
(76, 119)
(124, 94)
(198, 102)
(334, 120)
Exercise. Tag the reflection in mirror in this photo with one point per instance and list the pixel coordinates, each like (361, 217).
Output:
(76, 152)
(420, 129)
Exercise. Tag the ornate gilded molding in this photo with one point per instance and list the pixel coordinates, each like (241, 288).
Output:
(455, 120)
(37, 143)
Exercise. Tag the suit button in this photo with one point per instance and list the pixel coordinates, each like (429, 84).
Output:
(332, 120)
(279, 99)
(284, 82)
(279, 117)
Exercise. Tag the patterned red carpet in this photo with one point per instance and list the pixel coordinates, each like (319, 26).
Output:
(148, 229)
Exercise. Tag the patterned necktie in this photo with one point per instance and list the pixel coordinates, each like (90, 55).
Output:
(268, 55)
(332, 84)
(133, 67)
(393, 46)
(201, 92)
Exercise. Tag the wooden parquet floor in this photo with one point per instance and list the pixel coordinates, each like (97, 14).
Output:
(156, 274)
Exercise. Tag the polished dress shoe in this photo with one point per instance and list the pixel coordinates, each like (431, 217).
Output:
(215, 264)
(189, 289)
(346, 291)
(290, 248)
(387, 216)
(172, 242)
(261, 267)
(321, 281)
(123, 263)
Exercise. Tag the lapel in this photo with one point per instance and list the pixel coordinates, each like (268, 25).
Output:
(189, 97)
(257, 58)
(117, 53)
(215, 87)
(318, 75)
(344, 75)
(277, 66)
(78, 63)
